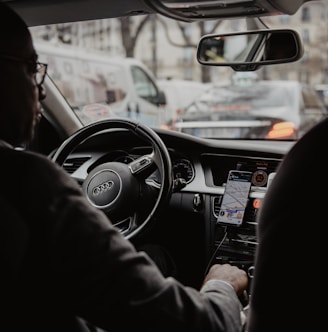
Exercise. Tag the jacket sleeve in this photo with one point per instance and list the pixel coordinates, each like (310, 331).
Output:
(117, 288)
(98, 275)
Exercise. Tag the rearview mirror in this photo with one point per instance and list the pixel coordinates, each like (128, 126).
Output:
(247, 51)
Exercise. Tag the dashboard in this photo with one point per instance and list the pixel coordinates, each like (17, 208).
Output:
(189, 226)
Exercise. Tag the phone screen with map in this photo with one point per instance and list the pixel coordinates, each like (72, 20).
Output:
(235, 198)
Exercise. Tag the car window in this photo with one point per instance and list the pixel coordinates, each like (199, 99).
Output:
(105, 71)
(145, 87)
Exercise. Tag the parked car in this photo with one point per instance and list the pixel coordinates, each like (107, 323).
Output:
(253, 109)
(186, 173)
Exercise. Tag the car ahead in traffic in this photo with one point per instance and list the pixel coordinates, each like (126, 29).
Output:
(248, 108)
(180, 183)
(179, 94)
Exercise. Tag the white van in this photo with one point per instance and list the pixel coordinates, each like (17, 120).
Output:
(99, 86)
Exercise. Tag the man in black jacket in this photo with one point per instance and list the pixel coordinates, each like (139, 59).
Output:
(62, 258)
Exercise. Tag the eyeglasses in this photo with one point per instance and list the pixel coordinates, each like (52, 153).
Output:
(38, 68)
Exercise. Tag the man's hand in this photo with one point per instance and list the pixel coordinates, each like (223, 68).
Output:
(236, 277)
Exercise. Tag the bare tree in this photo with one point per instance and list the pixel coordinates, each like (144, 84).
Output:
(203, 29)
(130, 34)
(129, 38)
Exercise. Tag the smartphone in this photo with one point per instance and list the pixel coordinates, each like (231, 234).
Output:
(235, 198)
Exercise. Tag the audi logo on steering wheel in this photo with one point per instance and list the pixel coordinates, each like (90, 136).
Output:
(103, 187)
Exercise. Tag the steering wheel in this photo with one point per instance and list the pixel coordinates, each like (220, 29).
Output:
(119, 189)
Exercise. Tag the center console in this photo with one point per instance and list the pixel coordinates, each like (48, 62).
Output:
(235, 244)
(232, 230)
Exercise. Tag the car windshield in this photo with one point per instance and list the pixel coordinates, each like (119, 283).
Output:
(145, 68)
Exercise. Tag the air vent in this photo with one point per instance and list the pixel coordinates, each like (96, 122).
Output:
(72, 164)
(216, 205)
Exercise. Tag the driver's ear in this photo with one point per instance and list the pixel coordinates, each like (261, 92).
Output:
(42, 92)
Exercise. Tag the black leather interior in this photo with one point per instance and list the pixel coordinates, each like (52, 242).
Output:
(14, 242)
(290, 263)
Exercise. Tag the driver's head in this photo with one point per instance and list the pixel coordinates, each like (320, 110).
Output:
(19, 92)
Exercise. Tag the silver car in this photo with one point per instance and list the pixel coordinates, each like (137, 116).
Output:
(248, 108)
